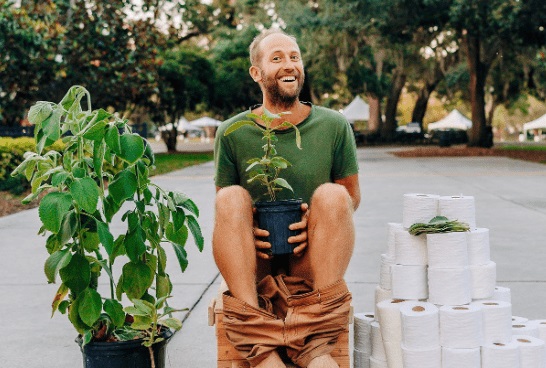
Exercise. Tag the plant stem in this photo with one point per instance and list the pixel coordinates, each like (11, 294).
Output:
(152, 359)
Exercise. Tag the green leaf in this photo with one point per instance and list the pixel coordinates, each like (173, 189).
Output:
(59, 178)
(106, 237)
(115, 310)
(134, 244)
(55, 262)
(85, 193)
(145, 308)
(191, 206)
(89, 306)
(173, 323)
(90, 241)
(282, 183)
(137, 278)
(52, 209)
(58, 299)
(280, 162)
(179, 217)
(181, 255)
(132, 147)
(76, 274)
(40, 111)
(96, 132)
(163, 286)
(51, 127)
(438, 220)
(141, 323)
(74, 95)
(233, 127)
(74, 317)
(69, 227)
(176, 235)
(123, 186)
(195, 229)
(161, 260)
(112, 139)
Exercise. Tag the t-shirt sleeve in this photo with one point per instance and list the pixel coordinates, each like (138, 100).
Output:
(345, 157)
(226, 172)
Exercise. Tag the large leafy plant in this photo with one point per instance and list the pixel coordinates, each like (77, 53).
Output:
(102, 174)
(266, 169)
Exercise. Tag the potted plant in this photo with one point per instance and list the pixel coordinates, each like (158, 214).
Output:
(274, 215)
(103, 174)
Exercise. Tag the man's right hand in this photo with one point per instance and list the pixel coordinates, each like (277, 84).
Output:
(262, 247)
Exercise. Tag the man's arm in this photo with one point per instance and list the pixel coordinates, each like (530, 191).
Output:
(353, 187)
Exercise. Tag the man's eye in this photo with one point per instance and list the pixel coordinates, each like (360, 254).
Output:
(295, 58)
(276, 58)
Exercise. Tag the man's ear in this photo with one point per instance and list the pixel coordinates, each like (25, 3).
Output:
(255, 73)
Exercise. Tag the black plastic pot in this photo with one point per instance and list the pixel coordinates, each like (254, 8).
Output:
(123, 354)
(275, 217)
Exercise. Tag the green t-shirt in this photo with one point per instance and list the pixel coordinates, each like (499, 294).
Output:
(328, 153)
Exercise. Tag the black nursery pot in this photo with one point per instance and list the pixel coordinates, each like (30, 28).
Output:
(124, 354)
(275, 217)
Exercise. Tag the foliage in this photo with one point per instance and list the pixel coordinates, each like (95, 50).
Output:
(77, 212)
(438, 224)
(266, 169)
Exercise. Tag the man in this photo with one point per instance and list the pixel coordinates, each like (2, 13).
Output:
(307, 308)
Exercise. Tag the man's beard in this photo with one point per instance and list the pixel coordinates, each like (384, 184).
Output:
(280, 97)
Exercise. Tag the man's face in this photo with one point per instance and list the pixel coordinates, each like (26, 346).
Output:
(280, 69)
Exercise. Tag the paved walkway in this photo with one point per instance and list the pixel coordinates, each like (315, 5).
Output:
(510, 201)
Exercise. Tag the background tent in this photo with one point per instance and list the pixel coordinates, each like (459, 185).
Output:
(539, 123)
(206, 121)
(357, 110)
(454, 120)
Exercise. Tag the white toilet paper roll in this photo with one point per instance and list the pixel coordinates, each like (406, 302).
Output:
(460, 326)
(378, 350)
(391, 238)
(409, 282)
(478, 246)
(418, 207)
(410, 249)
(380, 295)
(420, 325)
(459, 208)
(389, 319)
(529, 328)
(497, 321)
(532, 351)
(502, 293)
(459, 358)
(375, 363)
(393, 350)
(499, 355)
(518, 319)
(360, 359)
(483, 279)
(385, 279)
(541, 323)
(363, 332)
(449, 286)
(422, 358)
(447, 250)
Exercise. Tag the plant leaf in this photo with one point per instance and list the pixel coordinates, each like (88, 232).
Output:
(76, 275)
(40, 111)
(195, 229)
(176, 235)
(282, 183)
(106, 237)
(115, 310)
(52, 209)
(59, 296)
(123, 186)
(173, 323)
(55, 262)
(85, 193)
(233, 127)
(89, 306)
(112, 139)
(137, 278)
(182, 256)
(132, 147)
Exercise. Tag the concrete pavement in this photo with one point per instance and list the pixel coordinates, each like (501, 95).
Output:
(510, 201)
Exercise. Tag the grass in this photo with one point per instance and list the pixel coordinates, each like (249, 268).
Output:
(524, 147)
(167, 162)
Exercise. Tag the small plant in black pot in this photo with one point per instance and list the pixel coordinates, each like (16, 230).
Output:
(274, 215)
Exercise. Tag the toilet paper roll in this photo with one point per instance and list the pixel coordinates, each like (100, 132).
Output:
(449, 286)
(483, 279)
(497, 321)
(380, 295)
(447, 250)
(418, 207)
(529, 328)
(478, 246)
(499, 355)
(410, 250)
(460, 326)
(374, 363)
(385, 279)
(518, 319)
(458, 358)
(460, 208)
(422, 358)
(363, 332)
(391, 238)
(420, 325)
(378, 350)
(532, 352)
(393, 350)
(409, 282)
(360, 359)
(541, 323)
(502, 293)
(389, 319)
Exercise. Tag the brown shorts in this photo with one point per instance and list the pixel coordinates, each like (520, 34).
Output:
(305, 321)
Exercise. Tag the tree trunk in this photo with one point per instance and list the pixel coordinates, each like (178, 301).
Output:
(420, 108)
(169, 137)
(389, 128)
(375, 114)
(478, 74)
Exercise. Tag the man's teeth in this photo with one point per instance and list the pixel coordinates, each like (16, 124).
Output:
(288, 79)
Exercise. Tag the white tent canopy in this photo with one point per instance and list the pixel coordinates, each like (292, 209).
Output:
(182, 126)
(539, 123)
(357, 110)
(454, 120)
(206, 121)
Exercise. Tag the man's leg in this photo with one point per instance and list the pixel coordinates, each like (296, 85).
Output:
(235, 255)
(330, 246)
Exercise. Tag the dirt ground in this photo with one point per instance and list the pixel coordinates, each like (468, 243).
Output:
(11, 204)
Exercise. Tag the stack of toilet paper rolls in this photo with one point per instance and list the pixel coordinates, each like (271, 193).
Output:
(437, 304)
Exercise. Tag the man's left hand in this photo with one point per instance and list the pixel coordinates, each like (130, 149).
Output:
(300, 239)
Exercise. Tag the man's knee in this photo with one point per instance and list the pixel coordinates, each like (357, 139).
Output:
(331, 196)
(232, 198)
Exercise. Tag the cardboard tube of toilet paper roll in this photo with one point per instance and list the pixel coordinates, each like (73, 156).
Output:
(420, 325)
